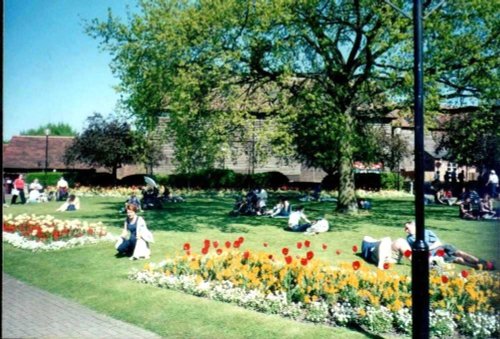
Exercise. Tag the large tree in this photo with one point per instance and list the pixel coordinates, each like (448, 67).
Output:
(314, 70)
(109, 143)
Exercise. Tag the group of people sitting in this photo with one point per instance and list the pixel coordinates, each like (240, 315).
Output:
(254, 203)
(386, 251)
(471, 207)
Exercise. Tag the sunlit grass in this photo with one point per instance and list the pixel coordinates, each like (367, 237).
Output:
(92, 275)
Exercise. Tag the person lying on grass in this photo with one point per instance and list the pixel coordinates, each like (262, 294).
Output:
(135, 245)
(449, 253)
(382, 252)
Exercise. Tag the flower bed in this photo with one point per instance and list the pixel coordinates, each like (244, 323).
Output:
(45, 233)
(304, 288)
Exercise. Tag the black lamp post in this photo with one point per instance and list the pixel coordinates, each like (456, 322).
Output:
(397, 131)
(47, 132)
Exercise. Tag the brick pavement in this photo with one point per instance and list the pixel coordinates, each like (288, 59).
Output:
(29, 312)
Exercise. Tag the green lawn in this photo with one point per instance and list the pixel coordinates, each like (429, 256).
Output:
(92, 276)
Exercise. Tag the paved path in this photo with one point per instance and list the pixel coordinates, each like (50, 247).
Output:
(29, 312)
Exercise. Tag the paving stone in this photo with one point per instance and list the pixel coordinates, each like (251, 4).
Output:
(27, 312)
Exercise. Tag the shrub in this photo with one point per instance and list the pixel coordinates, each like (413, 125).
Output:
(270, 179)
(389, 181)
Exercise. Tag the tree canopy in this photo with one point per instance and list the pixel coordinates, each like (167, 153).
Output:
(108, 143)
(315, 71)
(59, 129)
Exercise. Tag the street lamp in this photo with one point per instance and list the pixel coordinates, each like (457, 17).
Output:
(47, 132)
(397, 132)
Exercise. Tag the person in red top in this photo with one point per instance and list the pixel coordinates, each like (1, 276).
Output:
(19, 186)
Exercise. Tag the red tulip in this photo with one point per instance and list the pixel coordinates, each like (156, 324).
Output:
(299, 245)
(465, 274)
(204, 250)
(325, 246)
(206, 242)
(386, 266)
(307, 243)
(228, 244)
(246, 254)
(219, 251)
(440, 252)
(444, 279)
(338, 252)
(310, 255)
(284, 251)
(270, 257)
(216, 244)
(187, 246)
(355, 248)
(236, 244)
(241, 239)
(408, 253)
(356, 265)
(303, 261)
(288, 260)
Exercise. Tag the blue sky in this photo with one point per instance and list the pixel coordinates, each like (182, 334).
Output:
(53, 72)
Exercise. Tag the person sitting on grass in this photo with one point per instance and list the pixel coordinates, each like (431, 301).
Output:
(135, 238)
(382, 252)
(318, 226)
(486, 210)
(72, 204)
(281, 210)
(449, 253)
(467, 211)
(295, 218)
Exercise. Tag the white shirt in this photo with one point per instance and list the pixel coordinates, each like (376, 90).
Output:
(493, 179)
(62, 183)
(295, 217)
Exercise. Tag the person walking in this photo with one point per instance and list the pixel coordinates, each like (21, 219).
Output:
(492, 184)
(18, 190)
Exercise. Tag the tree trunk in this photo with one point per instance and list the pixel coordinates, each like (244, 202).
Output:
(347, 194)
(114, 170)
